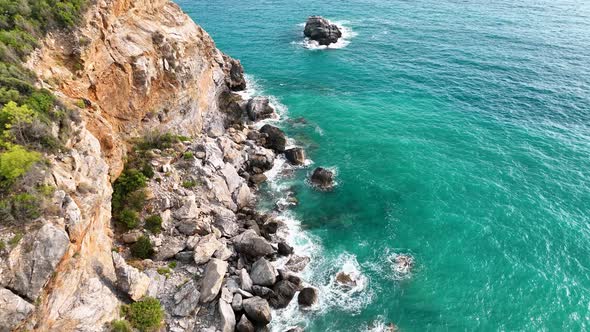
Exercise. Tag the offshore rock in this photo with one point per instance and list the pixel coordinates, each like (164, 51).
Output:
(307, 297)
(321, 30)
(322, 178)
(295, 156)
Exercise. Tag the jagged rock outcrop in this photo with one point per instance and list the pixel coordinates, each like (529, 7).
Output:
(129, 279)
(321, 30)
(13, 310)
(322, 178)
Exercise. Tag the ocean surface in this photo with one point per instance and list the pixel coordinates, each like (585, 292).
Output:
(460, 134)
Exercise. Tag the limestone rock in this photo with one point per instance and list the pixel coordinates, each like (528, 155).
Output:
(35, 258)
(263, 273)
(205, 248)
(186, 299)
(236, 302)
(244, 325)
(228, 319)
(245, 280)
(257, 310)
(253, 245)
(13, 310)
(212, 279)
(297, 263)
(129, 279)
(172, 246)
(259, 108)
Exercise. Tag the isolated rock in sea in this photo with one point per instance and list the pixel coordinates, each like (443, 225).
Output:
(295, 156)
(213, 277)
(252, 245)
(257, 310)
(345, 279)
(307, 297)
(263, 273)
(245, 325)
(186, 299)
(13, 310)
(323, 178)
(321, 30)
(259, 108)
(276, 138)
(129, 279)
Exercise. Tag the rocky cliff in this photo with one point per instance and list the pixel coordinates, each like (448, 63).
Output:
(136, 68)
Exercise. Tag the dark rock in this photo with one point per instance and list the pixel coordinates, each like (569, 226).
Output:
(262, 291)
(276, 139)
(259, 108)
(235, 80)
(185, 256)
(260, 162)
(244, 325)
(322, 178)
(271, 226)
(284, 291)
(285, 249)
(252, 245)
(321, 30)
(295, 156)
(257, 310)
(258, 178)
(345, 279)
(307, 297)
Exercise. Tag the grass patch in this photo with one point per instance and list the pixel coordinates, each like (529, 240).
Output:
(189, 184)
(145, 315)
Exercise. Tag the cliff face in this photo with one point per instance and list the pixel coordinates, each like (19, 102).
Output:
(137, 66)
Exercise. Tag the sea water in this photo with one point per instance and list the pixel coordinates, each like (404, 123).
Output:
(460, 134)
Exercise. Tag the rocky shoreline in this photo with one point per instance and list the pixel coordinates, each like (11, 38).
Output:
(224, 277)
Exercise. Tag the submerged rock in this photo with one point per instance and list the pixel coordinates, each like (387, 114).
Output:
(321, 30)
(276, 138)
(295, 156)
(323, 178)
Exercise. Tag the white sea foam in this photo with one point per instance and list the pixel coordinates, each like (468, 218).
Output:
(347, 35)
(379, 325)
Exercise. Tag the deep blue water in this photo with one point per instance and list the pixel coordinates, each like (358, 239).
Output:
(460, 131)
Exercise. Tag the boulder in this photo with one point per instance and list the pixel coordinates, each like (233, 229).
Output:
(262, 291)
(129, 279)
(131, 236)
(244, 325)
(257, 310)
(35, 258)
(235, 80)
(258, 179)
(307, 297)
(228, 319)
(295, 156)
(284, 291)
(321, 30)
(252, 245)
(245, 280)
(212, 279)
(276, 138)
(284, 249)
(13, 310)
(205, 248)
(173, 245)
(322, 178)
(263, 273)
(186, 299)
(259, 108)
(297, 263)
(236, 302)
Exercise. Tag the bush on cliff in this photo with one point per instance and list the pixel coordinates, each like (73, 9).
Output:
(145, 315)
(154, 224)
(142, 248)
(121, 325)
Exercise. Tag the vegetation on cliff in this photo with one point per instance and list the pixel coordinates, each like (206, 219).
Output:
(32, 122)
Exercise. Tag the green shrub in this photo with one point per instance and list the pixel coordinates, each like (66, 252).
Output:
(146, 314)
(154, 224)
(188, 155)
(136, 200)
(16, 161)
(165, 271)
(128, 218)
(25, 206)
(172, 265)
(148, 170)
(2, 245)
(15, 239)
(157, 140)
(121, 325)
(130, 181)
(189, 184)
(142, 248)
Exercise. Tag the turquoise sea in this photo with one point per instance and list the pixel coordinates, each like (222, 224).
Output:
(460, 132)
